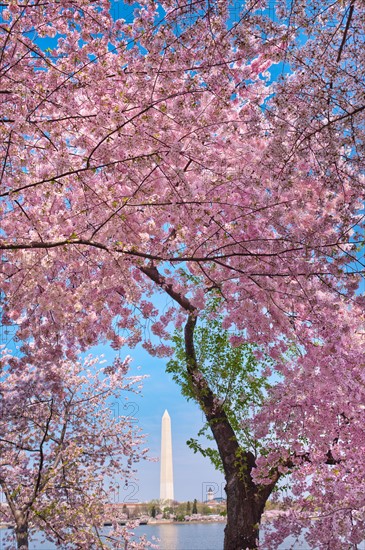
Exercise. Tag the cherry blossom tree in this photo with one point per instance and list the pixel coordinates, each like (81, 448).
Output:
(155, 157)
(60, 444)
(282, 420)
(326, 87)
(320, 414)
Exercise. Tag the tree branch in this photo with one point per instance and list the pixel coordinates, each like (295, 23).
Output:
(344, 38)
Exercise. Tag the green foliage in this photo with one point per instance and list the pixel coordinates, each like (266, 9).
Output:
(195, 508)
(153, 508)
(233, 374)
(182, 509)
(167, 512)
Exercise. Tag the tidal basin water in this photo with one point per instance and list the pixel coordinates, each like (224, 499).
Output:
(199, 536)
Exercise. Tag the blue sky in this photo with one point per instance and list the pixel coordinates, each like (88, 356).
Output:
(192, 473)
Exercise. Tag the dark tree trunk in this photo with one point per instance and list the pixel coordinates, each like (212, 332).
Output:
(245, 499)
(21, 533)
(245, 506)
(242, 529)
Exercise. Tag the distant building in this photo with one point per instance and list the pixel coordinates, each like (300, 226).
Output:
(210, 494)
(214, 502)
(166, 471)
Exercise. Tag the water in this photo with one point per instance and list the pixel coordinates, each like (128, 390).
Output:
(189, 536)
(199, 536)
(196, 536)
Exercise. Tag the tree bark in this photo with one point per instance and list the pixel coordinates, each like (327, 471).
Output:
(245, 506)
(245, 499)
(21, 532)
(242, 529)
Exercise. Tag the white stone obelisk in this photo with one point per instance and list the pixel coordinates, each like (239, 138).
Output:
(166, 473)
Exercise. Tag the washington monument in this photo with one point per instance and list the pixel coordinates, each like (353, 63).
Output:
(166, 475)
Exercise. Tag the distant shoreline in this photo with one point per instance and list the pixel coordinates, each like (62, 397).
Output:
(172, 522)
